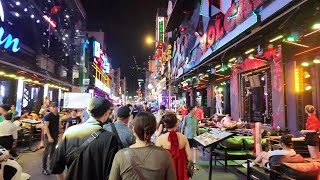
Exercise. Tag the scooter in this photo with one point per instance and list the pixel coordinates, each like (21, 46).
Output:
(11, 169)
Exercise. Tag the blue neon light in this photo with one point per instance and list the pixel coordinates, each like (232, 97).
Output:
(8, 41)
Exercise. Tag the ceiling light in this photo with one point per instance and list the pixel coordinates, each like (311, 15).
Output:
(316, 60)
(306, 75)
(276, 38)
(12, 75)
(307, 87)
(305, 64)
(17, 14)
(18, 3)
(66, 35)
(38, 21)
(67, 16)
(233, 59)
(2, 73)
(249, 51)
(25, 9)
(32, 16)
(217, 66)
(292, 38)
(63, 38)
(316, 26)
(251, 56)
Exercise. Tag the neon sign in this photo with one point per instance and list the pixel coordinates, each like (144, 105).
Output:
(160, 30)
(221, 25)
(8, 41)
(51, 22)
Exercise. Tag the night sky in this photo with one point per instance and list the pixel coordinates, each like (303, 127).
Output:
(126, 23)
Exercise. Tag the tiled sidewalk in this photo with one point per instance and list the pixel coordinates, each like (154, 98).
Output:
(32, 164)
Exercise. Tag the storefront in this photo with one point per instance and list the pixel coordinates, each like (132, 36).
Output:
(238, 48)
(29, 70)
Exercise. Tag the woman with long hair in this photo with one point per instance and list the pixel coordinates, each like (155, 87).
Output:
(143, 160)
(268, 159)
(312, 127)
(177, 144)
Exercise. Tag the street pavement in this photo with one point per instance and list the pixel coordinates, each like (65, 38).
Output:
(32, 164)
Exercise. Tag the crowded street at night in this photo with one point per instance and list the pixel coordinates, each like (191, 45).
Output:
(159, 90)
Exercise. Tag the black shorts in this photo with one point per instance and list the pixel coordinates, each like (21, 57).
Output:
(193, 143)
(312, 139)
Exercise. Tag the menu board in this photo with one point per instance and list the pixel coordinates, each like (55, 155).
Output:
(213, 136)
(76, 100)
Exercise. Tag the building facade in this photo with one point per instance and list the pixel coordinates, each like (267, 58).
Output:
(248, 53)
(38, 60)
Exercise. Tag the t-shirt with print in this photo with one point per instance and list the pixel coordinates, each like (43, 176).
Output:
(73, 121)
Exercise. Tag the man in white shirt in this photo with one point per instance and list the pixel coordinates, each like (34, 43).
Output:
(8, 133)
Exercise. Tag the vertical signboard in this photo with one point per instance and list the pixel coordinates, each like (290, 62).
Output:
(160, 29)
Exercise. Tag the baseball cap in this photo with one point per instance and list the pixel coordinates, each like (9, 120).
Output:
(97, 102)
(124, 112)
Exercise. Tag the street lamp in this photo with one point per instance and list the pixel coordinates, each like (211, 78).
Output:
(149, 40)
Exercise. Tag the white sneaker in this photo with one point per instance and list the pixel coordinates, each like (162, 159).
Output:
(246, 164)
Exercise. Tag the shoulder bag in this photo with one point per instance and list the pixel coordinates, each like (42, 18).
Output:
(75, 155)
(114, 130)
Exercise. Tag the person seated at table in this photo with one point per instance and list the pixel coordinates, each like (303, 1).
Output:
(228, 123)
(8, 133)
(240, 123)
(34, 115)
(276, 157)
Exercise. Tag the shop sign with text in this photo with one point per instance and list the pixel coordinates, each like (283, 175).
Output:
(6, 40)
(240, 16)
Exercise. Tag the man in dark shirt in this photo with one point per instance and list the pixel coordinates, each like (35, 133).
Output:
(51, 128)
(74, 119)
(95, 161)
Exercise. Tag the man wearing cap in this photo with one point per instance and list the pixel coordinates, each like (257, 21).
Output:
(87, 150)
(120, 127)
(51, 129)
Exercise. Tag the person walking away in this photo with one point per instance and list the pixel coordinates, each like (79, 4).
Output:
(87, 150)
(120, 128)
(85, 115)
(178, 146)
(199, 113)
(74, 119)
(190, 129)
(143, 160)
(312, 137)
(161, 129)
(51, 128)
(8, 133)
(184, 111)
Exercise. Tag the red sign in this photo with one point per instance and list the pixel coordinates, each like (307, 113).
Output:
(221, 24)
(51, 22)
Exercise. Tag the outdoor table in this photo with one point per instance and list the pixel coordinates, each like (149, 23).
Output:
(32, 123)
(215, 135)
